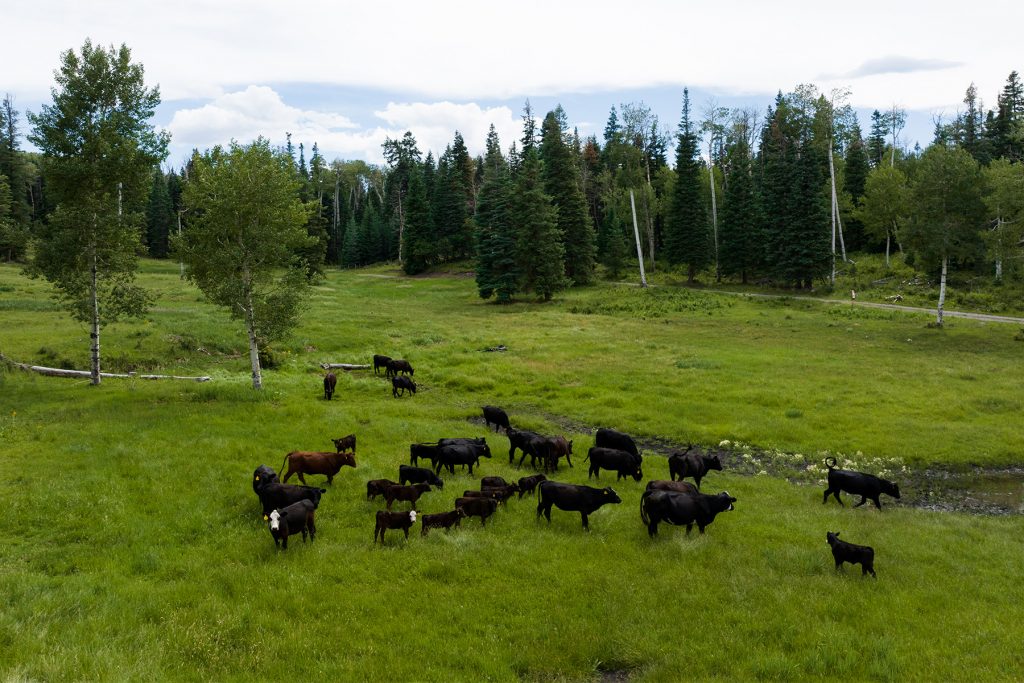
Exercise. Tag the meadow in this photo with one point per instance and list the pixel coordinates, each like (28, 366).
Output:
(133, 548)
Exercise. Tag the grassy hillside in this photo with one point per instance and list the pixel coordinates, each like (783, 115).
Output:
(134, 548)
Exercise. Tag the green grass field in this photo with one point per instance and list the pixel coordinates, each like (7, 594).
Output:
(134, 549)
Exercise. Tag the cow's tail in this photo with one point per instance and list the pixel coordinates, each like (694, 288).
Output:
(831, 465)
(643, 508)
(284, 463)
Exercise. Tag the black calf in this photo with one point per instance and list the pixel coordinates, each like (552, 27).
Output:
(854, 554)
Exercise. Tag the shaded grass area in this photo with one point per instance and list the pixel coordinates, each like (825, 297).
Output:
(133, 547)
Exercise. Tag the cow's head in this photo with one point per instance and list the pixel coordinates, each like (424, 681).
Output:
(486, 452)
(726, 500)
(890, 488)
(348, 459)
(412, 516)
(638, 474)
(831, 537)
(608, 495)
(713, 462)
(274, 519)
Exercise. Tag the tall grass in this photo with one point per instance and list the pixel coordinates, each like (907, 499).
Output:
(134, 549)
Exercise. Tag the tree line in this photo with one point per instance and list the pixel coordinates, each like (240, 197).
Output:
(777, 198)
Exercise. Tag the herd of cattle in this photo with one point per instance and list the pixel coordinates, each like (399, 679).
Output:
(290, 509)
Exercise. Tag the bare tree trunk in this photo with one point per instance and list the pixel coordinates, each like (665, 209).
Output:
(942, 290)
(254, 353)
(639, 251)
(888, 238)
(714, 212)
(95, 333)
(337, 241)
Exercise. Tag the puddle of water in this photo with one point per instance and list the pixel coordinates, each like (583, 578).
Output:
(1003, 490)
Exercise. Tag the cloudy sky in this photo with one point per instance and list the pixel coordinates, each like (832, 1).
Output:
(348, 75)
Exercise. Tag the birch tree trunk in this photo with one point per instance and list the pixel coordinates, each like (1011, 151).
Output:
(942, 290)
(639, 251)
(254, 353)
(94, 334)
(888, 238)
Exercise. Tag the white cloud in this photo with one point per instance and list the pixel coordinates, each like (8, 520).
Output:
(260, 111)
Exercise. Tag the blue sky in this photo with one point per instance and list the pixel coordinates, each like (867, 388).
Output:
(347, 75)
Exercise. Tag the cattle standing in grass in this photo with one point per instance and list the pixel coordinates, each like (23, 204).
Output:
(427, 451)
(441, 520)
(681, 509)
(345, 443)
(418, 475)
(558, 447)
(293, 519)
(500, 493)
(496, 416)
(410, 493)
(528, 484)
(393, 520)
(609, 438)
(402, 384)
(573, 498)
(625, 464)
(330, 381)
(398, 366)
(850, 552)
(460, 454)
(477, 507)
(377, 487)
(695, 465)
(519, 438)
(380, 362)
(263, 475)
(496, 482)
(867, 486)
(275, 495)
(312, 462)
(677, 486)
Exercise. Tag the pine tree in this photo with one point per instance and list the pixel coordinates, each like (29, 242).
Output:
(159, 216)
(1008, 123)
(540, 254)
(855, 178)
(739, 236)
(688, 236)
(418, 243)
(448, 208)
(563, 183)
(876, 141)
(13, 167)
(497, 271)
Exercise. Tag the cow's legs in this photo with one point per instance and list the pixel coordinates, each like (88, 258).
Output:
(863, 499)
(302, 478)
(586, 524)
(877, 504)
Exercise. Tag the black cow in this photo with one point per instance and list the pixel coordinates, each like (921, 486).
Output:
(401, 384)
(427, 451)
(867, 486)
(398, 366)
(695, 465)
(264, 474)
(441, 520)
(528, 484)
(519, 438)
(539, 448)
(477, 441)
(573, 498)
(393, 520)
(459, 454)
(677, 486)
(477, 507)
(345, 443)
(419, 475)
(842, 551)
(609, 438)
(275, 495)
(495, 482)
(329, 383)
(496, 416)
(380, 362)
(625, 464)
(410, 493)
(377, 487)
(297, 517)
(682, 508)
(501, 493)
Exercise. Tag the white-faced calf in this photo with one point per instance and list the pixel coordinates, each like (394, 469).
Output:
(296, 518)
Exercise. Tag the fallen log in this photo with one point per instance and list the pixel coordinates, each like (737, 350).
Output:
(344, 366)
(61, 372)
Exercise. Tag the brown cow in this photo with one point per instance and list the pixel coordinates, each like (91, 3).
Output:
(558, 447)
(677, 486)
(330, 381)
(313, 462)
(410, 492)
(378, 487)
(529, 484)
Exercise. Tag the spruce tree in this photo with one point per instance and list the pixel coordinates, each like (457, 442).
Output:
(563, 183)
(418, 243)
(351, 250)
(876, 141)
(739, 236)
(855, 178)
(540, 252)
(497, 270)
(159, 216)
(12, 167)
(687, 233)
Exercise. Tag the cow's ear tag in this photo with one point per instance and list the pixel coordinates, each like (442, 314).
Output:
(257, 477)
(265, 518)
